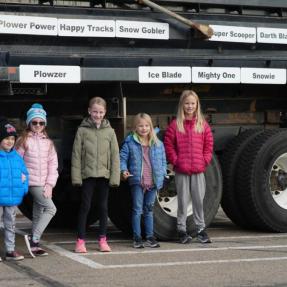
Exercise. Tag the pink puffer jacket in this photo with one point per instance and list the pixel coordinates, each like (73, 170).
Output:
(188, 152)
(41, 160)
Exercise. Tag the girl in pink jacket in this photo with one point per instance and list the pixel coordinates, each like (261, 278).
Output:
(189, 144)
(39, 154)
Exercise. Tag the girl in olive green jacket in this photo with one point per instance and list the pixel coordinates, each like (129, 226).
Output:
(95, 167)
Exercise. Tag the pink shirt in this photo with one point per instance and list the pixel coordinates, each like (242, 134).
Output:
(147, 181)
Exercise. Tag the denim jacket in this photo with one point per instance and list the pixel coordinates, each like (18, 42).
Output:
(131, 156)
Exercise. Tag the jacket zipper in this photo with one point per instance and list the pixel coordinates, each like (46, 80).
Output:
(40, 165)
(10, 181)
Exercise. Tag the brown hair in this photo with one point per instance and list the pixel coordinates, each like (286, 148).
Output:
(22, 139)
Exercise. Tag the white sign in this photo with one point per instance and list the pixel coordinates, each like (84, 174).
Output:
(271, 35)
(215, 75)
(164, 74)
(263, 76)
(49, 74)
(233, 34)
(86, 28)
(143, 30)
(11, 24)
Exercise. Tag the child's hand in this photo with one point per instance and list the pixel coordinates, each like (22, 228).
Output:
(126, 174)
(47, 191)
(23, 177)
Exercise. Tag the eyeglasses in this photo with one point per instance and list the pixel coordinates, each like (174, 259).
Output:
(35, 123)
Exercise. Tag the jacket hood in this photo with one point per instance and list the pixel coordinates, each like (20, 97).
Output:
(134, 136)
(5, 153)
(88, 123)
(40, 135)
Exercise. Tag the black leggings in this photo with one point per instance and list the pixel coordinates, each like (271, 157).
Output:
(100, 187)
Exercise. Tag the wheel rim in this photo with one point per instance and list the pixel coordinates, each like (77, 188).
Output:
(278, 181)
(167, 197)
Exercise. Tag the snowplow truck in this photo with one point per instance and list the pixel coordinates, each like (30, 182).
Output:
(140, 56)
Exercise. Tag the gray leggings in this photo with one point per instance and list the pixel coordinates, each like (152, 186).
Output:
(8, 214)
(190, 187)
(43, 211)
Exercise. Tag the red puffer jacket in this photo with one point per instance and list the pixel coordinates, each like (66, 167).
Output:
(188, 152)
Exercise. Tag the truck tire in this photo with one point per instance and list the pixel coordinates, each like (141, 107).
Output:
(229, 164)
(120, 208)
(165, 208)
(262, 181)
(165, 211)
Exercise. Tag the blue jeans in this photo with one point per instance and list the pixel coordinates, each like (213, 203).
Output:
(143, 203)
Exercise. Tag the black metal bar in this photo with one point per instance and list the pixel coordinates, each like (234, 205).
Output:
(247, 3)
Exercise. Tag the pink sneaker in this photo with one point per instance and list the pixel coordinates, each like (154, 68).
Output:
(103, 245)
(80, 246)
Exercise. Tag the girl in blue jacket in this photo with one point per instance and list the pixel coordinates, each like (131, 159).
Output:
(143, 163)
(13, 186)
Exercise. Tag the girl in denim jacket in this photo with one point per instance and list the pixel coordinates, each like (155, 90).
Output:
(143, 163)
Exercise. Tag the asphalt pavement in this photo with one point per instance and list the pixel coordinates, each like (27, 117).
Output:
(236, 257)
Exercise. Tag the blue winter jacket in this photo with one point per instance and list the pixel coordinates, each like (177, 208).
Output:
(12, 189)
(131, 156)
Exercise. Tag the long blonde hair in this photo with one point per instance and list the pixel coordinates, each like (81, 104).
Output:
(152, 137)
(199, 118)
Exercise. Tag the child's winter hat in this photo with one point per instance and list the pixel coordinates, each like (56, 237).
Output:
(6, 129)
(36, 111)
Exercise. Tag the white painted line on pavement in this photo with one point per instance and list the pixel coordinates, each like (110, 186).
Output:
(80, 258)
(259, 237)
(146, 251)
(74, 256)
(214, 239)
(193, 262)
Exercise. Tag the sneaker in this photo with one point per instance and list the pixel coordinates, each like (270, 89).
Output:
(13, 256)
(80, 246)
(0, 259)
(103, 245)
(29, 244)
(184, 238)
(151, 242)
(38, 251)
(138, 243)
(203, 237)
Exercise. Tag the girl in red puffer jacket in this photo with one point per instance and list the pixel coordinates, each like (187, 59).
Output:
(189, 145)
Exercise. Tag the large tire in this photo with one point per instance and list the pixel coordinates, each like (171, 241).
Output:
(262, 181)
(165, 208)
(120, 208)
(229, 160)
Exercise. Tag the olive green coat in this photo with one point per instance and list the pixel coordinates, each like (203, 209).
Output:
(95, 153)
